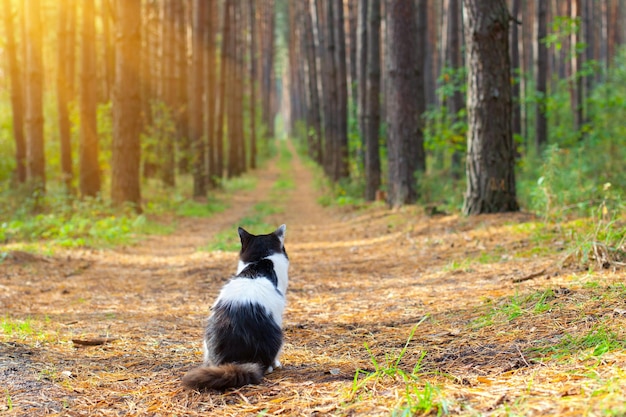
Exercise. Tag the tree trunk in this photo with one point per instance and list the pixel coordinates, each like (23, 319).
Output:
(222, 105)
(362, 70)
(126, 149)
(181, 110)
(372, 103)
(168, 87)
(35, 154)
(313, 112)
(541, 75)
(215, 173)
(252, 86)
(17, 93)
(454, 61)
(341, 169)
(230, 36)
(65, 43)
(491, 157)
(108, 65)
(576, 80)
(516, 117)
(405, 138)
(195, 98)
(88, 152)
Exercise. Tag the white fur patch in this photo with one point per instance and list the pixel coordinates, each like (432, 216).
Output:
(281, 267)
(257, 291)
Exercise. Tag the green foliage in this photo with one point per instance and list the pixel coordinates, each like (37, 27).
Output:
(163, 128)
(417, 397)
(445, 132)
(7, 143)
(511, 308)
(595, 343)
(16, 328)
(57, 219)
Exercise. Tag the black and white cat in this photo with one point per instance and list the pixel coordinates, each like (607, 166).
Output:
(243, 337)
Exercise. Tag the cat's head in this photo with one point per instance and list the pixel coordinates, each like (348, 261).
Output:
(257, 247)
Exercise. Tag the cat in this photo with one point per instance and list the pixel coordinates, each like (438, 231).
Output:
(243, 336)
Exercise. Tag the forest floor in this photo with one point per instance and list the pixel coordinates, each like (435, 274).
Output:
(433, 315)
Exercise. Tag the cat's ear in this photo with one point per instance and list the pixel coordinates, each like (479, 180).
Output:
(280, 233)
(243, 235)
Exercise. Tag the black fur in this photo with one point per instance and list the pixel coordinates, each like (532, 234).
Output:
(255, 247)
(243, 334)
(260, 269)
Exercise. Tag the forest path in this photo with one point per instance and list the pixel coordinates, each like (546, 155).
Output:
(360, 282)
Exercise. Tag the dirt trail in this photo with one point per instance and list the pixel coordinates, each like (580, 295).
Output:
(357, 278)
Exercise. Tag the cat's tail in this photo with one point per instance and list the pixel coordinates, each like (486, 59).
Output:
(221, 377)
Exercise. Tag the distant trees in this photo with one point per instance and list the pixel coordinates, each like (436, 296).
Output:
(376, 88)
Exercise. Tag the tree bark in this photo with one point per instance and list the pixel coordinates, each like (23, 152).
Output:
(35, 154)
(252, 85)
(340, 169)
(17, 93)
(362, 69)
(65, 43)
(516, 117)
(454, 61)
(167, 162)
(314, 120)
(491, 158)
(195, 98)
(126, 149)
(89, 165)
(371, 122)
(541, 75)
(405, 86)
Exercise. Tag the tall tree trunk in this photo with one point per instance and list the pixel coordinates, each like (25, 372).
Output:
(195, 98)
(88, 149)
(126, 149)
(372, 103)
(454, 61)
(589, 33)
(239, 73)
(215, 172)
(35, 154)
(362, 70)
(576, 80)
(313, 111)
(167, 161)
(232, 169)
(252, 86)
(352, 38)
(330, 86)
(324, 90)
(108, 65)
(341, 167)
(405, 138)
(17, 93)
(65, 43)
(516, 117)
(491, 157)
(181, 110)
(224, 73)
(541, 75)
